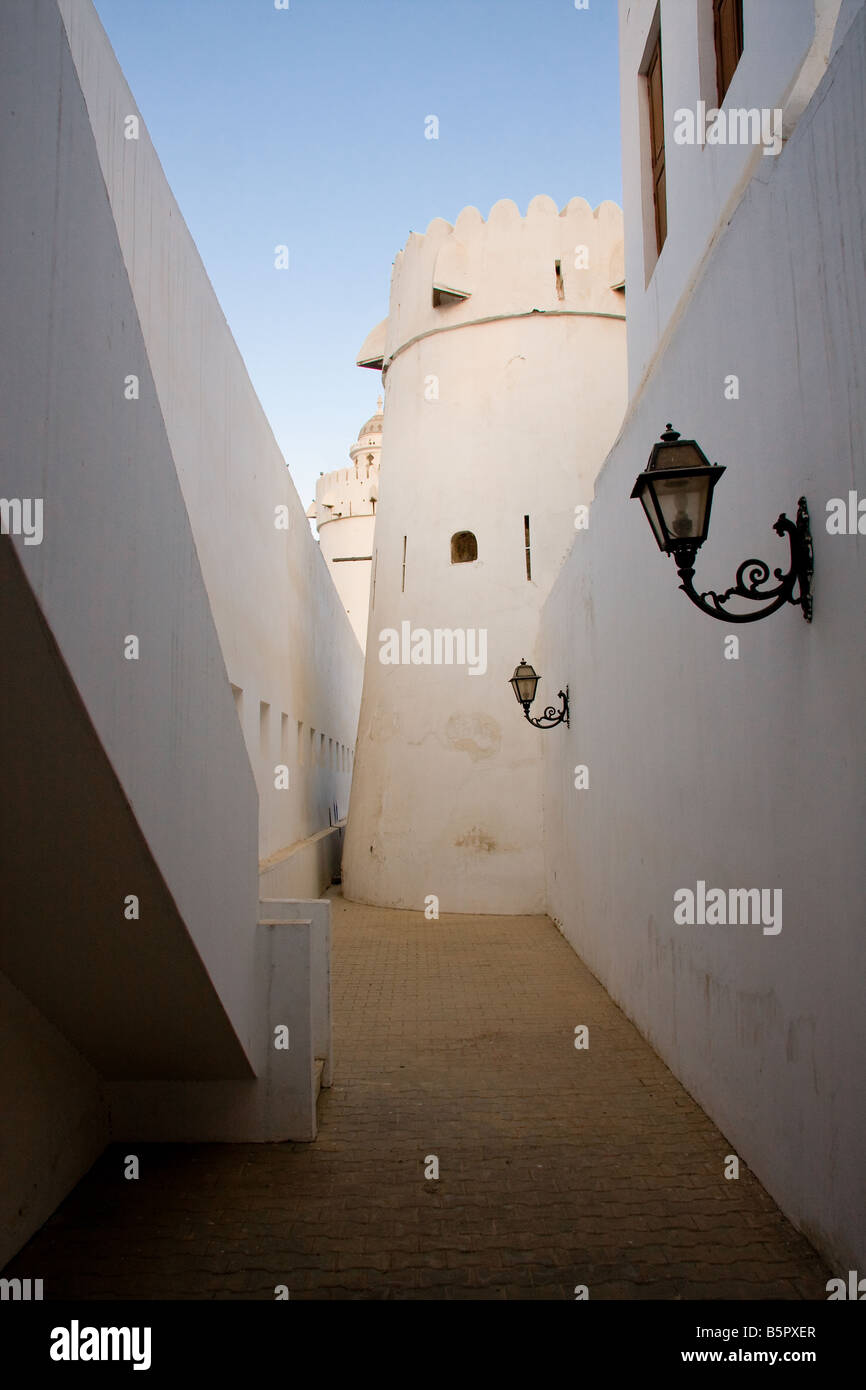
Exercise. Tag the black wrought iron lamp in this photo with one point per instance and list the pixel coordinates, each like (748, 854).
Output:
(524, 683)
(676, 491)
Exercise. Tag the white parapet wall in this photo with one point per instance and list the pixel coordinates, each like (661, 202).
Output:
(294, 1052)
(739, 771)
(504, 359)
(301, 869)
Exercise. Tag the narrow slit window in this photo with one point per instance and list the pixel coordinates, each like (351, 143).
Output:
(560, 284)
(403, 583)
(264, 726)
(728, 25)
(526, 547)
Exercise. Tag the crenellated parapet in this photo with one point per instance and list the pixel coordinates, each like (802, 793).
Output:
(351, 492)
(549, 262)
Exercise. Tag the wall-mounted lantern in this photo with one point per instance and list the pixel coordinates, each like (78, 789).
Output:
(677, 494)
(524, 683)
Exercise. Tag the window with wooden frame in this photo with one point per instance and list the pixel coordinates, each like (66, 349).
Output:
(655, 92)
(728, 27)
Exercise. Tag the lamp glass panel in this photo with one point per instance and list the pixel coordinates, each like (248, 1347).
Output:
(646, 497)
(684, 503)
(682, 455)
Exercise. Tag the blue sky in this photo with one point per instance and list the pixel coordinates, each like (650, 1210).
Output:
(306, 128)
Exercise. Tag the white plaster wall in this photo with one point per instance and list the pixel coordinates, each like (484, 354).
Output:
(300, 871)
(55, 1120)
(346, 492)
(344, 544)
(848, 12)
(786, 50)
(118, 556)
(286, 641)
(446, 789)
(741, 773)
(345, 513)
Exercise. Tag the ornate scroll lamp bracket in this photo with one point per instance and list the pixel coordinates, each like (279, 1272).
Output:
(551, 716)
(793, 586)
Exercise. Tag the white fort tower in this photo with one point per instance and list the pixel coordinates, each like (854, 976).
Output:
(503, 357)
(345, 515)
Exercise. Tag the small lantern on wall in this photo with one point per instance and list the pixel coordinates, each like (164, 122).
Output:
(524, 683)
(676, 492)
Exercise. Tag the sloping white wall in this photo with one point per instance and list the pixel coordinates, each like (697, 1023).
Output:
(285, 638)
(118, 556)
(745, 773)
(132, 777)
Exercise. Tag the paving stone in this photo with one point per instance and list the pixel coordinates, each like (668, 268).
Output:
(557, 1166)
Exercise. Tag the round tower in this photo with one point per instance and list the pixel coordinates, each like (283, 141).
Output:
(503, 357)
(345, 515)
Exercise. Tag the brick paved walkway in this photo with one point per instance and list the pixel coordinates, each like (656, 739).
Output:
(557, 1167)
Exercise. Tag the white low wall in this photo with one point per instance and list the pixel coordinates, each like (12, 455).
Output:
(292, 946)
(304, 870)
(741, 773)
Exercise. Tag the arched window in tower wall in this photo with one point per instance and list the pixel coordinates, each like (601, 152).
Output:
(464, 548)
